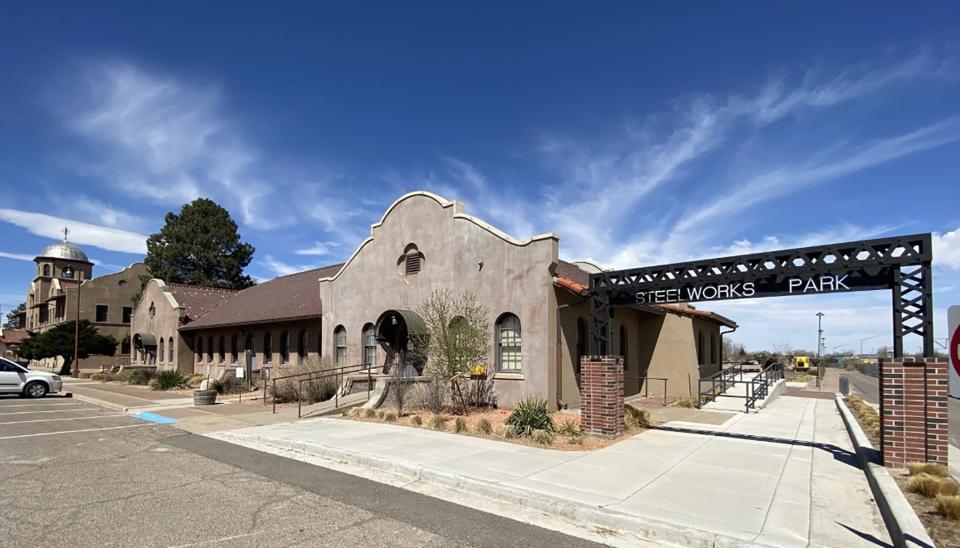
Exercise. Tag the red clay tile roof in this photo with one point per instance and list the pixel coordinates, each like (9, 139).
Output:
(574, 279)
(198, 301)
(292, 297)
(14, 336)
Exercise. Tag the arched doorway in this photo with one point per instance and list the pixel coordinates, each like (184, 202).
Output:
(146, 346)
(398, 332)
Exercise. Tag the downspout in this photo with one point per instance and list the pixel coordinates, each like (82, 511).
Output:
(722, 333)
(560, 403)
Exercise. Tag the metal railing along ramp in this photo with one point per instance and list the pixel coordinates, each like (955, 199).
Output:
(724, 390)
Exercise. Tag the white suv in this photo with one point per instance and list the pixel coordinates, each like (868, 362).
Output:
(16, 379)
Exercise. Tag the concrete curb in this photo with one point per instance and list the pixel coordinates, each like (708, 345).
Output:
(903, 524)
(658, 533)
(101, 403)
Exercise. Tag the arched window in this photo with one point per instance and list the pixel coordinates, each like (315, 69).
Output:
(713, 348)
(369, 345)
(170, 350)
(210, 349)
(267, 349)
(199, 349)
(233, 349)
(623, 345)
(46, 270)
(285, 347)
(581, 343)
(340, 339)
(508, 343)
(700, 347)
(302, 345)
(153, 310)
(161, 353)
(222, 349)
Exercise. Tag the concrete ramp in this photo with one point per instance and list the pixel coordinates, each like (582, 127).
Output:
(735, 397)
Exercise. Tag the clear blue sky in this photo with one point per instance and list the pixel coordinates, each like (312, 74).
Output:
(640, 133)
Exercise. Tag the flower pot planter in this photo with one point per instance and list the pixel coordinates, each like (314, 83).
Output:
(204, 397)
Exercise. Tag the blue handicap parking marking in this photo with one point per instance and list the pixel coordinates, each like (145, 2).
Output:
(153, 417)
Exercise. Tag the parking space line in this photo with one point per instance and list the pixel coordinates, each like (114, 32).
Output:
(75, 431)
(53, 411)
(65, 419)
(41, 404)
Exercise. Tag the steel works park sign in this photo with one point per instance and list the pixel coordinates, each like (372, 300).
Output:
(769, 286)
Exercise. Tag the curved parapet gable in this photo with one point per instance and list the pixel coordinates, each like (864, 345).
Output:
(457, 214)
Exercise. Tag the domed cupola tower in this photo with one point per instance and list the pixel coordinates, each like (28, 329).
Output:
(60, 265)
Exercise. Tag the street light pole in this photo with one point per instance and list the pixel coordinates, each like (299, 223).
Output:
(75, 368)
(819, 347)
(866, 339)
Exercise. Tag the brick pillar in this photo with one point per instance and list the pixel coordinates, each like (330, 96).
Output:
(601, 395)
(913, 410)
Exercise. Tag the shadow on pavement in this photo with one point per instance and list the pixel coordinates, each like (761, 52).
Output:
(839, 454)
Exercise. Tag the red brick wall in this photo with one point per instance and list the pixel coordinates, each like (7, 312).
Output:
(601, 395)
(913, 411)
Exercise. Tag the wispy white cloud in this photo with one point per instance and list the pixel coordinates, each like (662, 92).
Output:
(605, 181)
(842, 160)
(321, 249)
(97, 211)
(48, 226)
(16, 256)
(159, 137)
(281, 268)
(500, 206)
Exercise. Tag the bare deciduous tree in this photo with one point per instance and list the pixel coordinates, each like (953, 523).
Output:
(457, 338)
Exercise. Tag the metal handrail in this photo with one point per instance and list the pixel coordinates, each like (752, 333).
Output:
(757, 387)
(646, 385)
(336, 372)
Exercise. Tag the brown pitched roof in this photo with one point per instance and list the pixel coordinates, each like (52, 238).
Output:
(198, 301)
(576, 280)
(14, 336)
(573, 272)
(292, 297)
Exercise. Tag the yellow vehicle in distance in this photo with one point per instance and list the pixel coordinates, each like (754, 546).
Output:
(801, 363)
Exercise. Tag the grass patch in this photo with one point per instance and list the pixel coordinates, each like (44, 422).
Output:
(390, 417)
(484, 427)
(459, 425)
(635, 417)
(416, 420)
(542, 437)
(569, 427)
(438, 422)
(370, 413)
(688, 402)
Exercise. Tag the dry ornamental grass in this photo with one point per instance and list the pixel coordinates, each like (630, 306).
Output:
(949, 506)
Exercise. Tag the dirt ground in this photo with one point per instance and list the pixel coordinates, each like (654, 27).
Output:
(943, 531)
(497, 418)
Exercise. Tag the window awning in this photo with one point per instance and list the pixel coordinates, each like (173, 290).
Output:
(144, 339)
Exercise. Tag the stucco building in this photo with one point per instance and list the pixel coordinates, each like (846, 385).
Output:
(163, 309)
(105, 301)
(364, 310)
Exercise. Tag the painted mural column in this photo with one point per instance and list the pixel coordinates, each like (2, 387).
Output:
(913, 409)
(601, 395)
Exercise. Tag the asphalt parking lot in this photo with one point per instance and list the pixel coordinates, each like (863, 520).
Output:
(76, 474)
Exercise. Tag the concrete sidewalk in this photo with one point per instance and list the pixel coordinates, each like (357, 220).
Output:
(785, 476)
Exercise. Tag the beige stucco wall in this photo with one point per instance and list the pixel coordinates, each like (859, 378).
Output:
(116, 291)
(164, 325)
(515, 277)
(276, 330)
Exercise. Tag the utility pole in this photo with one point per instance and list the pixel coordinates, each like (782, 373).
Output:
(820, 316)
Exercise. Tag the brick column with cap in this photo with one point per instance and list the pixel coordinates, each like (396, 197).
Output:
(601, 395)
(913, 411)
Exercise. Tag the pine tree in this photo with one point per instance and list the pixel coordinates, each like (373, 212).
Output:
(200, 246)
